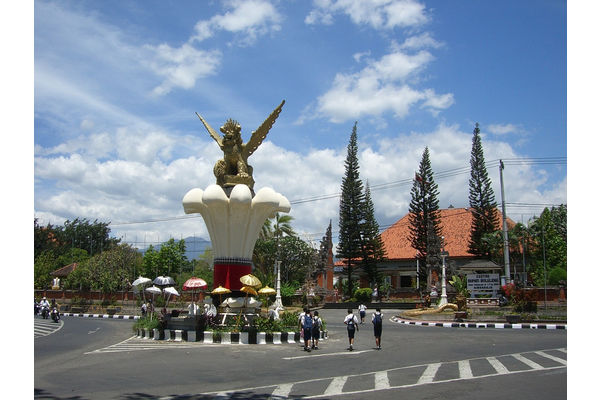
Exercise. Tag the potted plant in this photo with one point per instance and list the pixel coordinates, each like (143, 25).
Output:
(460, 285)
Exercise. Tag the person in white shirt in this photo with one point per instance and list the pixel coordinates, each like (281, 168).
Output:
(362, 309)
(352, 325)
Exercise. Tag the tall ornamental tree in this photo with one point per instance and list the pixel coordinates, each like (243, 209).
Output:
(424, 217)
(481, 200)
(351, 218)
(373, 249)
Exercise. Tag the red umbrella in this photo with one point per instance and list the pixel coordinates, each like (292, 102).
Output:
(194, 283)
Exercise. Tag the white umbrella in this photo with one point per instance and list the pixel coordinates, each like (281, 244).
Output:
(141, 281)
(153, 290)
(171, 291)
(164, 281)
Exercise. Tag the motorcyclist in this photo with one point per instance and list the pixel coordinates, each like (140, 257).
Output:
(44, 305)
(54, 311)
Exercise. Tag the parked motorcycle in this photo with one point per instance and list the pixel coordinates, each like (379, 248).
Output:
(55, 314)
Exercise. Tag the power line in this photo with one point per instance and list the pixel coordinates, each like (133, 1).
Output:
(403, 182)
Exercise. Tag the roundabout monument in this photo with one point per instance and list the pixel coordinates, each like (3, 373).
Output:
(232, 211)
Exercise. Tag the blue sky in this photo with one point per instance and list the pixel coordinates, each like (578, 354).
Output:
(117, 84)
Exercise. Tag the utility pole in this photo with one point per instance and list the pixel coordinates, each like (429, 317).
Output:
(504, 227)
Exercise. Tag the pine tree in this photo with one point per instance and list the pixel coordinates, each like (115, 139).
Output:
(373, 250)
(424, 217)
(351, 218)
(481, 200)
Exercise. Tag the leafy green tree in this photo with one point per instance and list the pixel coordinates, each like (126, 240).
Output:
(550, 233)
(481, 200)
(43, 265)
(373, 251)
(111, 270)
(424, 217)
(44, 239)
(172, 257)
(297, 258)
(151, 263)
(94, 237)
(350, 244)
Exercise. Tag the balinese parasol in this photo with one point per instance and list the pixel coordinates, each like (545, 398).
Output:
(251, 280)
(164, 281)
(194, 283)
(220, 291)
(170, 291)
(267, 291)
(153, 290)
(248, 290)
(141, 281)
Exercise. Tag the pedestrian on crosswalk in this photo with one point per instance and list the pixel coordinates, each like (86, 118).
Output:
(352, 325)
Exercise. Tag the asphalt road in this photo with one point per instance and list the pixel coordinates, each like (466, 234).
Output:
(91, 358)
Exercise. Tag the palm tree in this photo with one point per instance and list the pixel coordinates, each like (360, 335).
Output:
(276, 227)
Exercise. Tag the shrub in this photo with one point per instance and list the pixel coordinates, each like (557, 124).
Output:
(363, 294)
(146, 323)
(556, 275)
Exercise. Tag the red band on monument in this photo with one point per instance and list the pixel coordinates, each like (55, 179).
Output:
(228, 275)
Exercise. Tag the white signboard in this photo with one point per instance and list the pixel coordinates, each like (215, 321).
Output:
(483, 284)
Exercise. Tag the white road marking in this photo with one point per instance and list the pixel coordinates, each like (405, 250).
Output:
(464, 369)
(527, 361)
(282, 390)
(558, 360)
(343, 353)
(336, 386)
(429, 373)
(45, 327)
(498, 366)
(381, 380)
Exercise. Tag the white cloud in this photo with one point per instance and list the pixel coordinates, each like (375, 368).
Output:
(131, 190)
(378, 14)
(382, 86)
(503, 129)
(420, 41)
(182, 66)
(249, 19)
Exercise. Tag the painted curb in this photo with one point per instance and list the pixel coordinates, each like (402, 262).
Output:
(493, 325)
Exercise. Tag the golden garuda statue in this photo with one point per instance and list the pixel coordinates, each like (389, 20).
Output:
(233, 168)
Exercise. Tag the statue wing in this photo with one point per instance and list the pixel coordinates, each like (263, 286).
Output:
(211, 131)
(261, 133)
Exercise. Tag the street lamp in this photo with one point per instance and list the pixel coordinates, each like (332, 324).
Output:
(278, 303)
(444, 297)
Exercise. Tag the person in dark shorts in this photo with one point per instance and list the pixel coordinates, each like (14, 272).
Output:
(377, 321)
(307, 326)
(362, 309)
(316, 331)
(352, 325)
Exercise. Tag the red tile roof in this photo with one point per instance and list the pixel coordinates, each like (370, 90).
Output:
(456, 229)
(64, 271)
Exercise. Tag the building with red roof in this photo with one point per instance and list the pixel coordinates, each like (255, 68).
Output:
(400, 267)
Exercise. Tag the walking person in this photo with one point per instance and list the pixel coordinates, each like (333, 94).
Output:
(316, 332)
(362, 309)
(377, 321)
(307, 326)
(352, 325)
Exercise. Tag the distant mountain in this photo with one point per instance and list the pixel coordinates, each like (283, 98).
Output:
(194, 246)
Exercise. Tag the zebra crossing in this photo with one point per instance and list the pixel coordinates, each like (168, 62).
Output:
(410, 376)
(45, 327)
(135, 343)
